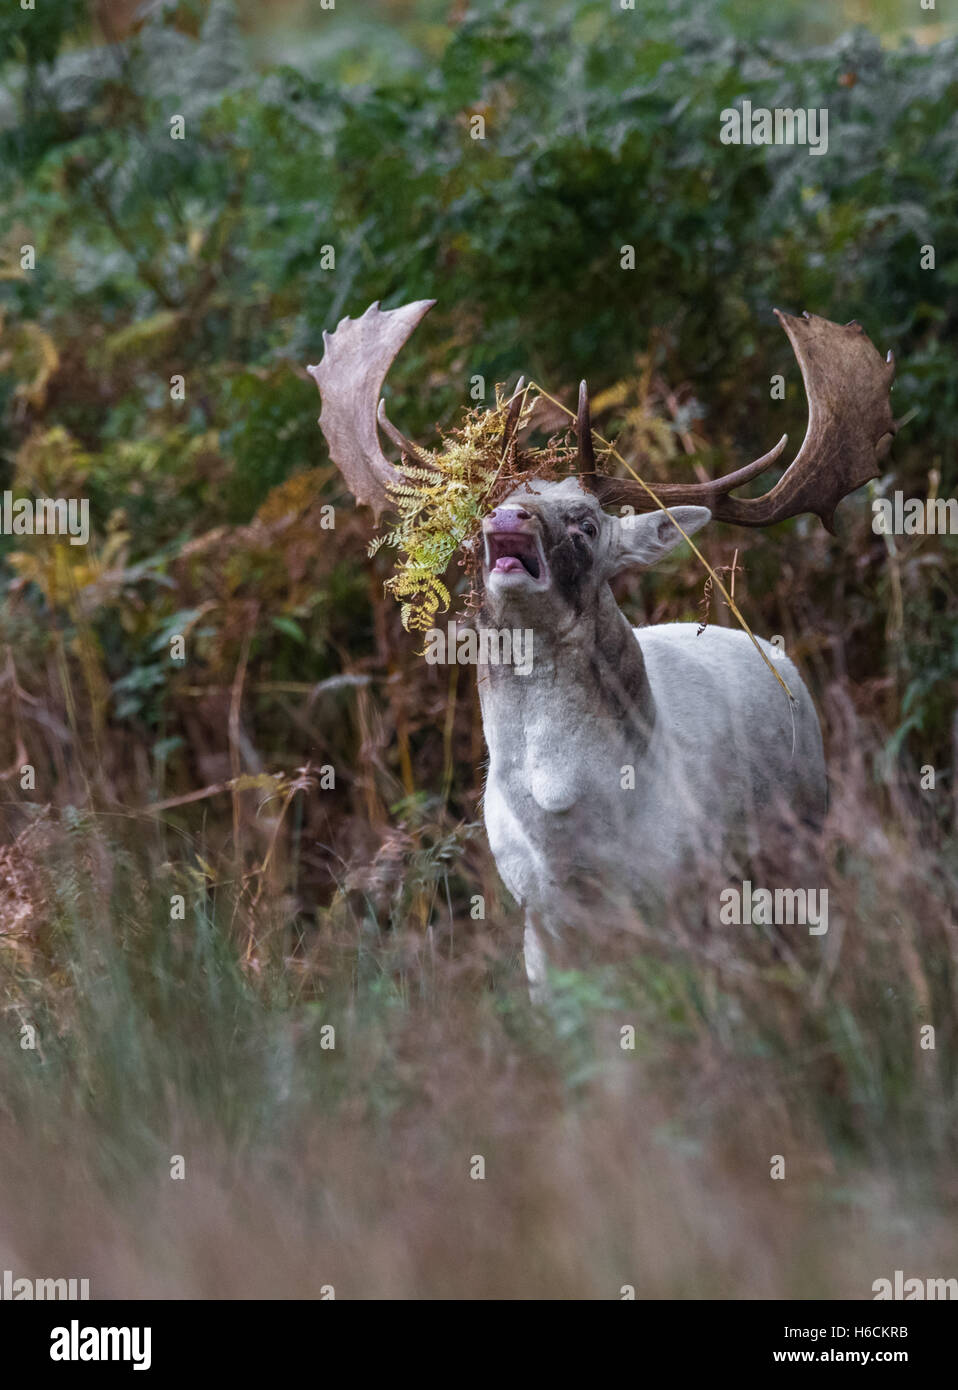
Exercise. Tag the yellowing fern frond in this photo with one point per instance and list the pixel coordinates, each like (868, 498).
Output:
(440, 508)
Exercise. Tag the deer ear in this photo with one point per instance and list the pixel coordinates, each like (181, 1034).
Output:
(642, 539)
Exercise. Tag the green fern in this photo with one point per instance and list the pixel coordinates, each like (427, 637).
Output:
(440, 511)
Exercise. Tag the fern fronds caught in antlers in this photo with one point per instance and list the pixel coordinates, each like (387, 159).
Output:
(440, 506)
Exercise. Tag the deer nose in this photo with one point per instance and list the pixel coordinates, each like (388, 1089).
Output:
(508, 518)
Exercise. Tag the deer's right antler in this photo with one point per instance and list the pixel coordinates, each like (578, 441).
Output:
(356, 358)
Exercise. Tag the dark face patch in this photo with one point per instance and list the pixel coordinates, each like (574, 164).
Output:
(572, 564)
(569, 548)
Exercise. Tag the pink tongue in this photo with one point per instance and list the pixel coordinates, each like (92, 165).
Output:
(508, 564)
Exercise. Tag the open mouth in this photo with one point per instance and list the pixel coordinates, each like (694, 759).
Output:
(514, 552)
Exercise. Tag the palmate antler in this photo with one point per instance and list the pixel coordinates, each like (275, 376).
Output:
(850, 423)
(356, 358)
(850, 428)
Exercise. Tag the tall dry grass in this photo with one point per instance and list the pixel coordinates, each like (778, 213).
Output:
(308, 1165)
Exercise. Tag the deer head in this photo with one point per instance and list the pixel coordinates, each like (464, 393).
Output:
(549, 548)
(550, 545)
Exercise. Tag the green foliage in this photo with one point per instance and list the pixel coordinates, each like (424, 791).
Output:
(203, 257)
(35, 35)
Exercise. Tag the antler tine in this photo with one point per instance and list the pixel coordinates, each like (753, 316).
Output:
(615, 491)
(850, 428)
(400, 440)
(515, 410)
(357, 356)
(583, 429)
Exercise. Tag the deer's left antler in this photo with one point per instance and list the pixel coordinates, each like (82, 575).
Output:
(850, 428)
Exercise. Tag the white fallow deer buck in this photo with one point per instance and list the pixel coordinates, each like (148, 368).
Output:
(725, 767)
